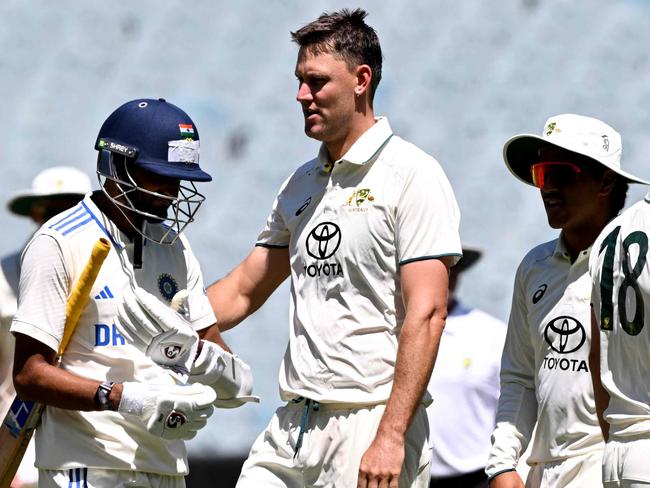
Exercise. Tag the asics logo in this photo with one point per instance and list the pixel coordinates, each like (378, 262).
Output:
(303, 207)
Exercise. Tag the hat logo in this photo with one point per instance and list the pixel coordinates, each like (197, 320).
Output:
(549, 128)
(605, 142)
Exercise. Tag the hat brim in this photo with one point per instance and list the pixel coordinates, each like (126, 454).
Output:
(522, 151)
(470, 256)
(21, 203)
(178, 171)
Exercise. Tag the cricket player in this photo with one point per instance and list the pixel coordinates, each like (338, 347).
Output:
(367, 231)
(620, 360)
(118, 410)
(53, 190)
(545, 379)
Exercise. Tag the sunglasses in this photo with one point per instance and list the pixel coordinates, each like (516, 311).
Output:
(562, 171)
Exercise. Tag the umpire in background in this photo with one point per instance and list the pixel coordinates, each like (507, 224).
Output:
(465, 385)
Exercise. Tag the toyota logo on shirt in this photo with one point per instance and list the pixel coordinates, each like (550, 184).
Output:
(323, 240)
(565, 334)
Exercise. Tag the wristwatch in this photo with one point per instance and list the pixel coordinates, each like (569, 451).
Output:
(102, 394)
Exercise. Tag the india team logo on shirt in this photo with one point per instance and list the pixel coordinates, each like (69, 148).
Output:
(167, 286)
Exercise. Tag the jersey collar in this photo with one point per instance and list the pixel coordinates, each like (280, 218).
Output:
(365, 148)
(111, 230)
(562, 252)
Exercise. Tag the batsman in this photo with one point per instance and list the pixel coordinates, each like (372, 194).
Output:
(145, 367)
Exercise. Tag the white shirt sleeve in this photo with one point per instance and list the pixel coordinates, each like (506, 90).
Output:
(275, 232)
(517, 408)
(200, 310)
(428, 217)
(43, 292)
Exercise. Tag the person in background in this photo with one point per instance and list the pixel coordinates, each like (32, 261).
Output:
(465, 386)
(53, 190)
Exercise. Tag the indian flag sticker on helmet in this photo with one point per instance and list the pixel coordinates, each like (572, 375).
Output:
(187, 130)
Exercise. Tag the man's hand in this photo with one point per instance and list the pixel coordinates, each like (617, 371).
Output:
(157, 330)
(230, 377)
(381, 464)
(168, 411)
(510, 479)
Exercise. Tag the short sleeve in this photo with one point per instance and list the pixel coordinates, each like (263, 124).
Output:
(275, 232)
(200, 310)
(428, 217)
(43, 292)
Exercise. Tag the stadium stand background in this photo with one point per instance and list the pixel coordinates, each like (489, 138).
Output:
(459, 79)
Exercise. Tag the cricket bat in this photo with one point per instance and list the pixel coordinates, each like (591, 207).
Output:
(24, 416)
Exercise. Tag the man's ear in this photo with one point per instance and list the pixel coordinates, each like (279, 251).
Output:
(364, 78)
(608, 182)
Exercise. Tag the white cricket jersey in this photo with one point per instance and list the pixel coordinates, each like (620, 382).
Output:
(349, 226)
(465, 385)
(621, 298)
(52, 262)
(545, 379)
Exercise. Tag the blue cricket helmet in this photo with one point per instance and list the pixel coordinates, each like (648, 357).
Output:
(157, 135)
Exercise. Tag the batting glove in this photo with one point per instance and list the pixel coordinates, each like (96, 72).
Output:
(158, 330)
(230, 377)
(168, 411)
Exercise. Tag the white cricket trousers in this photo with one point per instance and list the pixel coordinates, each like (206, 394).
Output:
(329, 452)
(575, 472)
(105, 478)
(626, 464)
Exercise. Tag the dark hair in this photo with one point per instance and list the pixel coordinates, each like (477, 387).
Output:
(345, 34)
(619, 192)
(618, 195)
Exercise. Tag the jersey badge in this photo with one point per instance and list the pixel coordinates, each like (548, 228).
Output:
(167, 286)
(358, 197)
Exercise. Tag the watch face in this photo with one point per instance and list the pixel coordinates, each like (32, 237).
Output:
(102, 395)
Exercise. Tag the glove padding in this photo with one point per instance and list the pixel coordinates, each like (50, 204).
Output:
(158, 330)
(230, 377)
(168, 411)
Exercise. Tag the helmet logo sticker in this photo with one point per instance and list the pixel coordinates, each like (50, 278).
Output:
(122, 149)
(183, 151)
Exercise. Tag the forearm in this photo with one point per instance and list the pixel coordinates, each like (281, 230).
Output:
(56, 387)
(37, 378)
(516, 418)
(418, 347)
(230, 307)
(247, 287)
